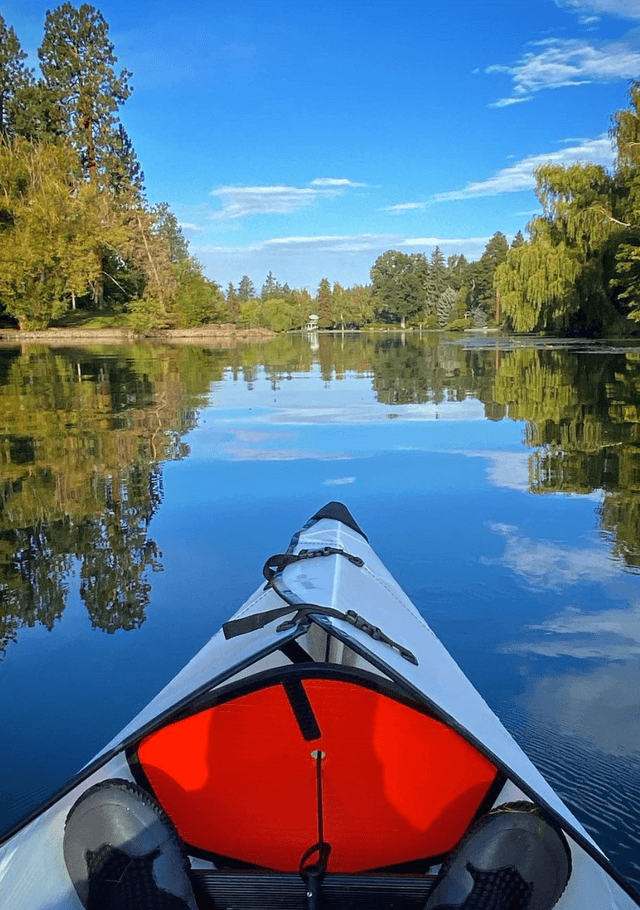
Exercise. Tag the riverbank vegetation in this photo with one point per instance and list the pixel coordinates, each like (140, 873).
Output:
(79, 236)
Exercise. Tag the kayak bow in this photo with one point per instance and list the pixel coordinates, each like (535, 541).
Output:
(323, 740)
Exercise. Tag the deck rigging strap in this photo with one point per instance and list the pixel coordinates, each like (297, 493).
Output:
(304, 612)
(279, 561)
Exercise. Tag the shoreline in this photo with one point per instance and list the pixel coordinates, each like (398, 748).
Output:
(223, 335)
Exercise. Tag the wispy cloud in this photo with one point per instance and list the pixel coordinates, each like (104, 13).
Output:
(190, 227)
(564, 62)
(519, 176)
(246, 201)
(329, 243)
(405, 207)
(444, 241)
(338, 481)
(545, 564)
(624, 9)
(346, 243)
(335, 182)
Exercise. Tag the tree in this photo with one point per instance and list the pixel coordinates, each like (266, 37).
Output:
(324, 304)
(483, 294)
(558, 281)
(271, 288)
(198, 300)
(77, 62)
(167, 227)
(14, 77)
(233, 302)
(246, 290)
(51, 221)
(397, 288)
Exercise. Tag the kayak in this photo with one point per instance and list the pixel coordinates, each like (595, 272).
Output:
(322, 749)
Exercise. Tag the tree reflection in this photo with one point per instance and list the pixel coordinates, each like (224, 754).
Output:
(83, 435)
(582, 413)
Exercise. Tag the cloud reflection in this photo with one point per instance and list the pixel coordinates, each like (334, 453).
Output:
(601, 703)
(545, 564)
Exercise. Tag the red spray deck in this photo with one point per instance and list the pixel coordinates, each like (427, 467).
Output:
(309, 756)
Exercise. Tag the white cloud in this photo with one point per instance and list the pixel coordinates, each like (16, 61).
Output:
(329, 243)
(624, 9)
(337, 182)
(372, 244)
(519, 176)
(405, 207)
(245, 201)
(545, 564)
(190, 226)
(507, 102)
(564, 62)
(338, 481)
(444, 241)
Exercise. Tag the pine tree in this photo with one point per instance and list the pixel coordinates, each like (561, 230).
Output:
(233, 302)
(324, 304)
(246, 290)
(15, 77)
(271, 288)
(77, 62)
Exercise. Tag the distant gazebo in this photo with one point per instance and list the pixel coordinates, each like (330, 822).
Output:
(312, 323)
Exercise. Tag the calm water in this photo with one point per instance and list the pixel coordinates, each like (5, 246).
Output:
(142, 488)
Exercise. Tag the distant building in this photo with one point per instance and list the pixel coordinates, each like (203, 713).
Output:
(312, 323)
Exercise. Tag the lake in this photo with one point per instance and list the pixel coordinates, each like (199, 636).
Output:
(143, 487)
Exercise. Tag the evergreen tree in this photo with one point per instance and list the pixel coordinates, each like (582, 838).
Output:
(77, 62)
(324, 304)
(14, 77)
(398, 285)
(517, 241)
(483, 296)
(271, 288)
(246, 290)
(167, 228)
(233, 302)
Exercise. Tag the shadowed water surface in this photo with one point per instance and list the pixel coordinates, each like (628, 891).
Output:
(142, 488)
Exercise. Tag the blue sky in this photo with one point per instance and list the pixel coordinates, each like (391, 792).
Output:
(307, 137)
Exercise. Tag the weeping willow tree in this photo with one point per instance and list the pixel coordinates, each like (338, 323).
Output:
(580, 269)
(558, 280)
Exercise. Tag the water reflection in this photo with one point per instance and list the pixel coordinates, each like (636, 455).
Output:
(82, 439)
(84, 434)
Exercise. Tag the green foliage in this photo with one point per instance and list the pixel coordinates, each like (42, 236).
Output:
(277, 314)
(146, 315)
(198, 300)
(249, 317)
(167, 228)
(77, 62)
(480, 275)
(15, 78)
(53, 221)
(324, 304)
(459, 325)
(271, 288)
(398, 285)
(246, 290)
